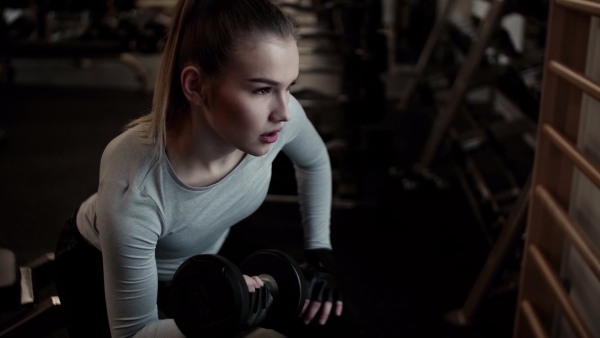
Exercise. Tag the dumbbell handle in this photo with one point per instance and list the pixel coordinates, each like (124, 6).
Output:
(259, 303)
(272, 283)
(284, 285)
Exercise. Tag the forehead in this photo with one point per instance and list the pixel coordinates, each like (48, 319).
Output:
(265, 57)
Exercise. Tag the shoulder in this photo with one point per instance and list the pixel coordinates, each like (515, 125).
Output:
(131, 139)
(128, 151)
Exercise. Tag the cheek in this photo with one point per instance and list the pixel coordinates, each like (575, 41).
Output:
(239, 114)
(249, 120)
(227, 107)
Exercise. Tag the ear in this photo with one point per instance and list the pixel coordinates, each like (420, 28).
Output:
(191, 83)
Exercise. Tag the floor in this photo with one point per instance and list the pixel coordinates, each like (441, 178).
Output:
(408, 257)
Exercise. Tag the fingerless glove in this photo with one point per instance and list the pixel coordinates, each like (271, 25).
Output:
(322, 276)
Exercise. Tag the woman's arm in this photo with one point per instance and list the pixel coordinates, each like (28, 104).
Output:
(130, 223)
(313, 172)
(307, 151)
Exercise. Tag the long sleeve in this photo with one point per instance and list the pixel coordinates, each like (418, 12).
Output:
(129, 224)
(312, 166)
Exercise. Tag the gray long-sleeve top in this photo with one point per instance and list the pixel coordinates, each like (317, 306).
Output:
(147, 222)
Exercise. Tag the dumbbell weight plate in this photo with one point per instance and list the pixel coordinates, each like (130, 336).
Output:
(208, 297)
(290, 282)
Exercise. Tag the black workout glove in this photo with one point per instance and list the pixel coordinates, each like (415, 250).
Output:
(322, 276)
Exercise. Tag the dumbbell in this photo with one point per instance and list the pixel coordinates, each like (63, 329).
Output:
(209, 297)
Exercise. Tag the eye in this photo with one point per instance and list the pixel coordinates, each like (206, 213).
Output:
(262, 91)
(291, 85)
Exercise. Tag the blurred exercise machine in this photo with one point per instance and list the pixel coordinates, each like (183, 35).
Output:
(81, 30)
(492, 151)
(486, 118)
(28, 305)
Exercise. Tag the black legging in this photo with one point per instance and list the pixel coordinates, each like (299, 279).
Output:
(79, 281)
(80, 285)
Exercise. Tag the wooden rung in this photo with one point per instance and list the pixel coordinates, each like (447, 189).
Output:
(575, 78)
(592, 8)
(569, 311)
(581, 242)
(533, 320)
(570, 150)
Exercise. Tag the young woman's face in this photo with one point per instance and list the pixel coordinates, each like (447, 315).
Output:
(249, 105)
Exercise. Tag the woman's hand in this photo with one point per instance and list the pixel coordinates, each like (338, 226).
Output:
(259, 302)
(253, 282)
(323, 286)
(312, 307)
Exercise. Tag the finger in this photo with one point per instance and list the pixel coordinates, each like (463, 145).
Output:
(312, 311)
(339, 306)
(259, 282)
(325, 311)
(253, 282)
(250, 282)
(306, 302)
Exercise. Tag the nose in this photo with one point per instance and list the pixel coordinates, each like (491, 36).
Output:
(281, 110)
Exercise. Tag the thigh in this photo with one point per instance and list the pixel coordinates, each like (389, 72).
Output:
(347, 325)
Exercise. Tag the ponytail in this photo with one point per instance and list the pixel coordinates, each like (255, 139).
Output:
(167, 82)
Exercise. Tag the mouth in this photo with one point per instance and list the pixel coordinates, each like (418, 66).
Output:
(270, 137)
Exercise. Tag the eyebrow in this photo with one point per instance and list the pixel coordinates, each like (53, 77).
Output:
(269, 81)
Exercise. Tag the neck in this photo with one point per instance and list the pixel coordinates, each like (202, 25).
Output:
(198, 156)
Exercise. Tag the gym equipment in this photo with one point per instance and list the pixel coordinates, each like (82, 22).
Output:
(425, 55)
(284, 276)
(209, 297)
(495, 151)
(496, 262)
(489, 32)
(10, 281)
(442, 122)
(414, 28)
(101, 35)
(25, 313)
(146, 29)
(561, 257)
(484, 135)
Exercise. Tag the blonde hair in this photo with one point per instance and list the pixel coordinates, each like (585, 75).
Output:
(205, 33)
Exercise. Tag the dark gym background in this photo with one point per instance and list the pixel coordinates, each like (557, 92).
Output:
(410, 245)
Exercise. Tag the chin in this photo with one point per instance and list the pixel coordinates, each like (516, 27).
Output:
(259, 151)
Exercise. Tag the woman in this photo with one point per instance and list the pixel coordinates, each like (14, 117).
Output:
(173, 184)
